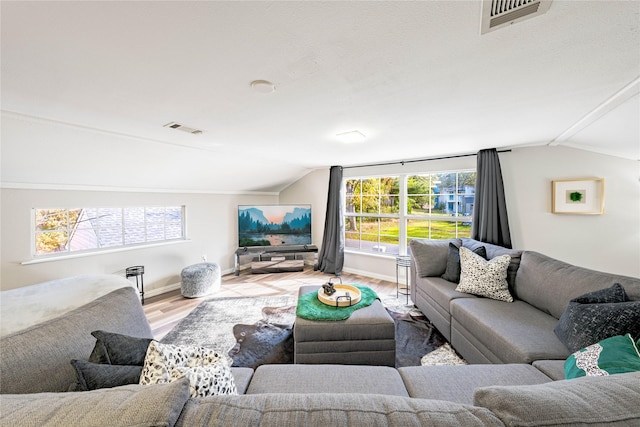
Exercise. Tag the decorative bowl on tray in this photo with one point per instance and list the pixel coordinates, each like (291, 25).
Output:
(344, 296)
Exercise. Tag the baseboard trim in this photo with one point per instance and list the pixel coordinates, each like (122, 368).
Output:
(161, 290)
(370, 274)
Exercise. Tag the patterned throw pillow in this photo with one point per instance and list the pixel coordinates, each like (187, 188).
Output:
(118, 349)
(597, 315)
(615, 355)
(485, 278)
(207, 371)
(211, 380)
(452, 273)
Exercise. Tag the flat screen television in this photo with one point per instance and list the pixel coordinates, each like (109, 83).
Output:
(274, 225)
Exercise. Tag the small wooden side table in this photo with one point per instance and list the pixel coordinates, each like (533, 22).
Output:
(403, 261)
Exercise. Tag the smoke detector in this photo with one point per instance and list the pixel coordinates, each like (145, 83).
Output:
(183, 128)
(501, 13)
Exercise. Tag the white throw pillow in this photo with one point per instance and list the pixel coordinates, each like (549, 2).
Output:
(485, 278)
(207, 371)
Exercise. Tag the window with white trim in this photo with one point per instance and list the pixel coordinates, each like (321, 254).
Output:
(383, 213)
(78, 230)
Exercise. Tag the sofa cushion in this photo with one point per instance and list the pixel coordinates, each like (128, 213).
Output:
(494, 251)
(442, 291)
(327, 379)
(512, 332)
(118, 349)
(452, 273)
(355, 410)
(554, 369)
(242, 378)
(207, 371)
(131, 405)
(614, 355)
(430, 256)
(484, 278)
(598, 315)
(549, 284)
(457, 383)
(92, 376)
(611, 401)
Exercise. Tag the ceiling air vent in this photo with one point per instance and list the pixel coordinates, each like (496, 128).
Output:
(500, 13)
(183, 128)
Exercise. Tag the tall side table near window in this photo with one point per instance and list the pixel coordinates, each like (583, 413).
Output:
(137, 271)
(403, 261)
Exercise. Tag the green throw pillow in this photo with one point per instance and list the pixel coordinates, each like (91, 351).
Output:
(615, 355)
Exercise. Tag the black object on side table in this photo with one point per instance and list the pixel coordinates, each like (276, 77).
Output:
(403, 261)
(137, 271)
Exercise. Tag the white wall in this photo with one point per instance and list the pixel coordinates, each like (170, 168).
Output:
(211, 229)
(311, 189)
(609, 242)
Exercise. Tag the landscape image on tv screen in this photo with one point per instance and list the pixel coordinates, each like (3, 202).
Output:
(274, 225)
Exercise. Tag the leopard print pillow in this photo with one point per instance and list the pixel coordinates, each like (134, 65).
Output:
(207, 371)
(485, 278)
(211, 380)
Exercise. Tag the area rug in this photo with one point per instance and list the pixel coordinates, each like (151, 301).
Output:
(211, 323)
(257, 331)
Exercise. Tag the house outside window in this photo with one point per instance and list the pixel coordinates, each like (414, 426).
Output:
(66, 231)
(383, 213)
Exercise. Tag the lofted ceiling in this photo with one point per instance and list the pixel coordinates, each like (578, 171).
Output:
(85, 80)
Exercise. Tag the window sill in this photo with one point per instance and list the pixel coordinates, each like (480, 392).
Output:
(102, 252)
(384, 255)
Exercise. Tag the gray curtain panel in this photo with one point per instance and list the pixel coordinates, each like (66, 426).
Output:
(331, 256)
(490, 221)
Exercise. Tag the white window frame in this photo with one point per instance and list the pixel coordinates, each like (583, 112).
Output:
(402, 216)
(68, 253)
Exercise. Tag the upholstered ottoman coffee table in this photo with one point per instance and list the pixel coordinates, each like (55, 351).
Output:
(367, 337)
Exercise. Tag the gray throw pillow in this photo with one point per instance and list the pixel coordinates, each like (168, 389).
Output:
(452, 273)
(92, 376)
(118, 349)
(598, 315)
(430, 256)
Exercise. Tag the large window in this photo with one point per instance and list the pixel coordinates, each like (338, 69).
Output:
(383, 213)
(59, 231)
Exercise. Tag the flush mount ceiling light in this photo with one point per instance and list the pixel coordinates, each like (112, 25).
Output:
(263, 86)
(351, 137)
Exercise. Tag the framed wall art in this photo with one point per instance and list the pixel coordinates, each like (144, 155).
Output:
(578, 196)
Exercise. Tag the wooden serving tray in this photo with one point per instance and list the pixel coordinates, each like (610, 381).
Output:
(339, 298)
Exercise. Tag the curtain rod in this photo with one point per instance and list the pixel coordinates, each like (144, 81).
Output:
(403, 162)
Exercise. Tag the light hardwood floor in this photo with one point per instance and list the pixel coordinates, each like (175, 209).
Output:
(166, 310)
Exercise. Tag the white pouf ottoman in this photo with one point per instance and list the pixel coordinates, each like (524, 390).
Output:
(199, 280)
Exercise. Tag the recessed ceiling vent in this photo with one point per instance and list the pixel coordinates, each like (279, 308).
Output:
(500, 13)
(183, 128)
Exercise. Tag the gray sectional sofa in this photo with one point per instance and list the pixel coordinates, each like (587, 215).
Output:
(484, 330)
(35, 373)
